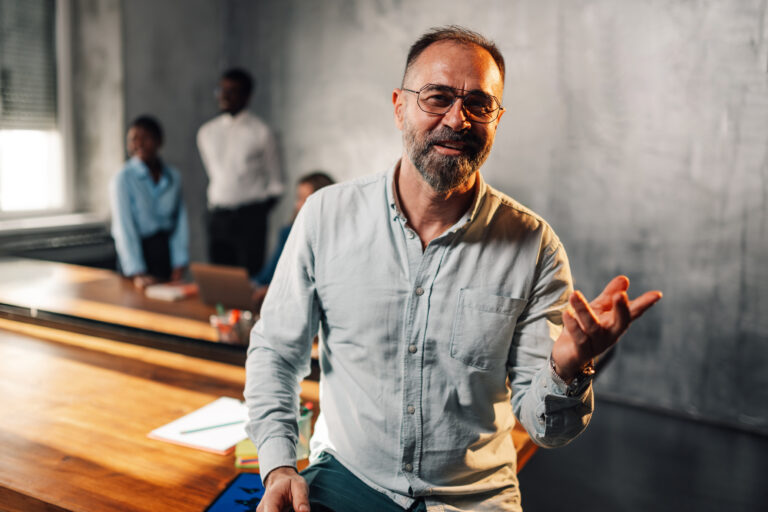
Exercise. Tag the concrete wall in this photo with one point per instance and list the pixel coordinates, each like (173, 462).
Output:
(638, 129)
(173, 51)
(97, 97)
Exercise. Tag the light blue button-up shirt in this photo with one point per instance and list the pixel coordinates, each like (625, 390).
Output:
(425, 354)
(141, 208)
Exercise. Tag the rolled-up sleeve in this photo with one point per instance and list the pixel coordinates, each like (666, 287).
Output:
(124, 229)
(280, 350)
(540, 403)
(179, 240)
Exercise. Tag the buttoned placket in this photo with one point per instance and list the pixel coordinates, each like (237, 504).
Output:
(423, 266)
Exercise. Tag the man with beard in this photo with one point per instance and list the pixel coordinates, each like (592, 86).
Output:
(442, 306)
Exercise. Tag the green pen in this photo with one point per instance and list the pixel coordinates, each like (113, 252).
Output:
(209, 427)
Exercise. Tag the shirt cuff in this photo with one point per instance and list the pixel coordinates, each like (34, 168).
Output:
(179, 261)
(274, 453)
(558, 387)
(131, 270)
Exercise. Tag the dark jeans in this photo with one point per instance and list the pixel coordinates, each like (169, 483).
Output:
(238, 236)
(157, 255)
(333, 488)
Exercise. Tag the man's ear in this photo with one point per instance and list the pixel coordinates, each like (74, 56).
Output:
(398, 102)
(499, 118)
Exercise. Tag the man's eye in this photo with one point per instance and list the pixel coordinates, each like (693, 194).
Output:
(438, 100)
(479, 103)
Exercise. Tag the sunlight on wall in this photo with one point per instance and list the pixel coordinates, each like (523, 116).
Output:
(31, 170)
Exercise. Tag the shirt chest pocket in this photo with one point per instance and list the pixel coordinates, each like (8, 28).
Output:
(483, 328)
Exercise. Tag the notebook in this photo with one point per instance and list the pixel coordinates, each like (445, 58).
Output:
(216, 427)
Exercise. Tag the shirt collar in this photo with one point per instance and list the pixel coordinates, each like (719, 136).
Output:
(141, 170)
(392, 200)
(470, 215)
(230, 119)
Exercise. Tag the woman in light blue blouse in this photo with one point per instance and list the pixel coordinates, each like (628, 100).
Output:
(149, 221)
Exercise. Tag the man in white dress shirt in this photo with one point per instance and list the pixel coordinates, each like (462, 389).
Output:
(240, 156)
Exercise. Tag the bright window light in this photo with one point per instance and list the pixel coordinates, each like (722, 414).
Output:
(31, 170)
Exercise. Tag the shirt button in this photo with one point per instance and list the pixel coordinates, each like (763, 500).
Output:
(419, 291)
(411, 409)
(412, 349)
(411, 234)
(409, 467)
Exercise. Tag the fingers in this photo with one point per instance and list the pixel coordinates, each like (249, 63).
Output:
(300, 495)
(285, 488)
(617, 285)
(641, 304)
(621, 314)
(268, 503)
(584, 315)
(573, 328)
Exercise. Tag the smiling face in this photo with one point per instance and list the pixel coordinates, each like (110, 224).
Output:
(142, 144)
(447, 149)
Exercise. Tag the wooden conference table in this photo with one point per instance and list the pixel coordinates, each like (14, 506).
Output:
(76, 408)
(76, 411)
(99, 295)
(103, 303)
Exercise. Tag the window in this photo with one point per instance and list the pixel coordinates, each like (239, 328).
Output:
(33, 174)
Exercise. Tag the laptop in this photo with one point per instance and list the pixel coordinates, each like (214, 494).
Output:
(220, 284)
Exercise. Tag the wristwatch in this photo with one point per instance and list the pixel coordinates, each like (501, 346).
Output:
(579, 383)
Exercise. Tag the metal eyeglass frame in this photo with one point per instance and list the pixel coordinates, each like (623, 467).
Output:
(456, 96)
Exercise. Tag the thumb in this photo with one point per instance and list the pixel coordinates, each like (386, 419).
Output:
(300, 495)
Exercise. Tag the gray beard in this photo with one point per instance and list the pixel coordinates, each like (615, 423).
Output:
(444, 172)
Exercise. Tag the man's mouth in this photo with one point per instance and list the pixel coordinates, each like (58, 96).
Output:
(452, 147)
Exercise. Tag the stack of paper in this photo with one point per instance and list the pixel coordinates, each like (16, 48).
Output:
(216, 427)
(246, 456)
(170, 292)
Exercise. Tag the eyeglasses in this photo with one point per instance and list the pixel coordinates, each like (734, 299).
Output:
(438, 99)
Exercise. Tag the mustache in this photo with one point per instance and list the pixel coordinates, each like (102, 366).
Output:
(445, 134)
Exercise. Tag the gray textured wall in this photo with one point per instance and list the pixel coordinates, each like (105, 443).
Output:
(97, 97)
(173, 51)
(639, 129)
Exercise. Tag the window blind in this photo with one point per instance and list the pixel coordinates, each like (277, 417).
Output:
(28, 64)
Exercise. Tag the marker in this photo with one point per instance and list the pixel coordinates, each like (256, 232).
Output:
(209, 427)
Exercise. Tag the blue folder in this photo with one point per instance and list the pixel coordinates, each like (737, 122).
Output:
(243, 494)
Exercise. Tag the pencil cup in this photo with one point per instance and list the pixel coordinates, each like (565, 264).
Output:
(233, 327)
(225, 328)
(244, 326)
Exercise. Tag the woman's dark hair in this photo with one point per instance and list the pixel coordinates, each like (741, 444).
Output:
(151, 125)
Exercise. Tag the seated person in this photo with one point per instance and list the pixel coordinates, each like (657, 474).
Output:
(149, 221)
(306, 185)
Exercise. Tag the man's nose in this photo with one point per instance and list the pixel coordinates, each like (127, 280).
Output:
(456, 117)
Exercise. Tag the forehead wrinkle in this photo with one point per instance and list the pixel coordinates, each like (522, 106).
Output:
(458, 65)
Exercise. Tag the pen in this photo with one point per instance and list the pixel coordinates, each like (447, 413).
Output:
(193, 430)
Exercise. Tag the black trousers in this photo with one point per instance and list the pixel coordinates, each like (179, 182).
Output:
(238, 236)
(157, 255)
